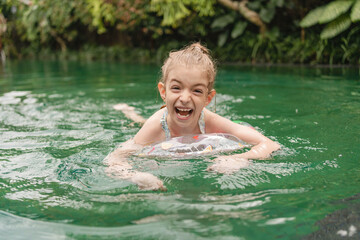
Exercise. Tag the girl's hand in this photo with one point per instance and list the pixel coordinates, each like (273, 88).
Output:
(118, 167)
(228, 164)
(147, 181)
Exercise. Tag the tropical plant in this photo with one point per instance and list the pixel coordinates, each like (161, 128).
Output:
(53, 24)
(337, 15)
(226, 24)
(174, 11)
(41, 21)
(233, 24)
(351, 47)
(102, 13)
(145, 30)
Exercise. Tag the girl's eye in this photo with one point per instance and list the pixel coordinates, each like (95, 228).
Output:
(199, 91)
(175, 88)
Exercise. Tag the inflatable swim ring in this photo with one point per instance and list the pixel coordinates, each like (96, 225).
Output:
(193, 145)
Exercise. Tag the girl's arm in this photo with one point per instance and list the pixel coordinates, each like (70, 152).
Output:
(262, 146)
(119, 167)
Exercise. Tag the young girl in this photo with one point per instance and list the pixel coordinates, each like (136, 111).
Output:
(186, 86)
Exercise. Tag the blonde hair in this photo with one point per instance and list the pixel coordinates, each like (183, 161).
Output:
(192, 55)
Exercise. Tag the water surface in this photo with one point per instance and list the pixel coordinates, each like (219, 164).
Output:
(57, 125)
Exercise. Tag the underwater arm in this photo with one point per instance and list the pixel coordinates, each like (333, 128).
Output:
(118, 167)
(129, 112)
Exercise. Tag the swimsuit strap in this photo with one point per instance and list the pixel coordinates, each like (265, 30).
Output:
(202, 122)
(164, 125)
(166, 129)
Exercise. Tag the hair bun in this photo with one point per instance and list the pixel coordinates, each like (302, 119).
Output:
(198, 46)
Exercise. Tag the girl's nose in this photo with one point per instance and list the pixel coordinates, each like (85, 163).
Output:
(185, 96)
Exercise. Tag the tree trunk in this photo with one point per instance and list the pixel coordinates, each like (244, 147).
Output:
(59, 40)
(2, 32)
(248, 14)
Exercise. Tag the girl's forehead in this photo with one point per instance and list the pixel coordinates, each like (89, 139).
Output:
(180, 72)
(190, 81)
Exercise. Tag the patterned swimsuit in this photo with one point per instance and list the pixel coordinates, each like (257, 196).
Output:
(166, 129)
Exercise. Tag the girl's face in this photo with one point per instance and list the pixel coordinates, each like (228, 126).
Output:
(185, 93)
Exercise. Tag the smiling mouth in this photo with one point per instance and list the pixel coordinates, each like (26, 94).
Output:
(183, 112)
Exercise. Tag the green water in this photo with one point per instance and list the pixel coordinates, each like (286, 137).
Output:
(57, 125)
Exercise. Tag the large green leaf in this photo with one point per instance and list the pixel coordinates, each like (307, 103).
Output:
(223, 38)
(276, 3)
(312, 17)
(223, 21)
(335, 27)
(254, 5)
(355, 12)
(279, 3)
(334, 10)
(238, 29)
(267, 14)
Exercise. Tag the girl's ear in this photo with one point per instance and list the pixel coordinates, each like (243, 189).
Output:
(210, 96)
(162, 90)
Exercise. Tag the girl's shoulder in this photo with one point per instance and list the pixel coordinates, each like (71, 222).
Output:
(156, 116)
(211, 117)
(214, 123)
(151, 131)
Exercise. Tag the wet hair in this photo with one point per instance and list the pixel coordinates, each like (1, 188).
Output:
(193, 55)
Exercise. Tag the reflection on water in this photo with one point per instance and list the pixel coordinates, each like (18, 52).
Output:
(57, 124)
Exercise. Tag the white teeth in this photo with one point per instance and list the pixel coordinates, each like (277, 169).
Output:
(184, 109)
(183, 115)
(181, 112)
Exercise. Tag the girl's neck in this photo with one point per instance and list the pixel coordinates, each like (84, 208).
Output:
(179, 131)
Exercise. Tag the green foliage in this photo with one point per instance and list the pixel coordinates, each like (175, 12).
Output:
(223, 38)
(44, 21)
(335, 27)
(351, 46)
(267, 13)
(146, 30)
(54, 24)
(174, 11)
(334, 10)
(266, 9)
(267, 46)
(223, 21)
(312, 17)
(337, 14)
(220, 24)
(238, 29)
(234, 25)
(102, 13)
(355, 12)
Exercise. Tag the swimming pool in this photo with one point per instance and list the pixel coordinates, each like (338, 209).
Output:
(57, 125)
